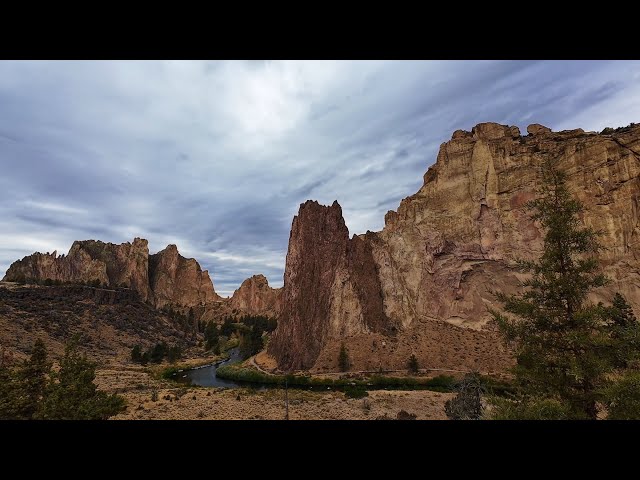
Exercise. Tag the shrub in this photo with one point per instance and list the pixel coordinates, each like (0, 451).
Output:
(355, 392)
(467, 404)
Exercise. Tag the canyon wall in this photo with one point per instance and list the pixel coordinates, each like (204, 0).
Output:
(434, 265)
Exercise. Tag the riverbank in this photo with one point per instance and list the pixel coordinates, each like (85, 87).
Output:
(151, 398)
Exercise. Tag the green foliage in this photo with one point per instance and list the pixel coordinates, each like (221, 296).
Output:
(251, 342)
(35, 391)
(623, 397)
(227, 327)
(136, 354)
(441, 383)
(566, 348)
(72, 394)
(23, 388)
(264, 323)
(530, 408)
(211, 335)
(343, 359)
(158, 352)
(467, 404)
(412, 364)
(355, 392)
(174, 353)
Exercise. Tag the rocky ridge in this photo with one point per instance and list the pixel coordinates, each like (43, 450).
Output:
(448, 246)
(163, 279)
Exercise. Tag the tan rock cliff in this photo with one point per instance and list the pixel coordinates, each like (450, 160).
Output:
(440, 255)
(163, 278)
(176, 280)
(256, 297)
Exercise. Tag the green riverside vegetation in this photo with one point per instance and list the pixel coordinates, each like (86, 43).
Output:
(441, 383)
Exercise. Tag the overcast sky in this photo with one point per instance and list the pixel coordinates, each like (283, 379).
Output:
(217, 156)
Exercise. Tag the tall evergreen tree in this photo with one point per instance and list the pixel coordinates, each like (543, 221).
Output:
(136, 354)
(412, 364)
(74, 396)
(565, 346)
(343, 359)
(31, 380)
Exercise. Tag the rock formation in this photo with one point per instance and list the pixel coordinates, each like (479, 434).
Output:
(176, 280)
(164, 278)
(88, 261)
(448, 246)
(255, 296)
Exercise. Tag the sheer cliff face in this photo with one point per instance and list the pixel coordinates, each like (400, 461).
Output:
(256, 297)
(164, 278)
(176, 280)
(439, 256)
(331, 288)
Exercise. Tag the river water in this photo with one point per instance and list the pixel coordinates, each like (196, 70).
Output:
(206, 376)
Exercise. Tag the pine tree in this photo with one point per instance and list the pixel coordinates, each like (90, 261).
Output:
(211, 335)
(31, 380)
(343, 359)
(8, 410)
(73, 395)
(565, 347)
(136, 354)
(413, 365)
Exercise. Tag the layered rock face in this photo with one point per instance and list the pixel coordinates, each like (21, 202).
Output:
(255, 296)
(447, 247)
(164, 278)
(90, 260)
(176, 280)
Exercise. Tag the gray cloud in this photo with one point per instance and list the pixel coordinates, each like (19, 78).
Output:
(217, 156)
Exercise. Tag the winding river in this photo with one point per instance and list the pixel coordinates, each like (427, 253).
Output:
(206, 376)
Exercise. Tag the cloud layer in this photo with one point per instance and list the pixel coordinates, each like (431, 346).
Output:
(217, 156)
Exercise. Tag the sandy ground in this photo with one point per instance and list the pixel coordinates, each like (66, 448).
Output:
(176, 402)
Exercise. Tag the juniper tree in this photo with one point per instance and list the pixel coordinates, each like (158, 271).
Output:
(343, 359)
(412, 364)
(32, 379)
(73, 395)
(565, 346)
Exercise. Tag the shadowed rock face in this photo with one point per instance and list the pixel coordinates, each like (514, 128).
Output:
(255, 296)
(331, 288)
(444, 250)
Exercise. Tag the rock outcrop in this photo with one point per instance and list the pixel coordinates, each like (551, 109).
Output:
(449, 246)
(331, 287)
(88, 261)
(256, 297)
(161, 279)
(176, 280)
